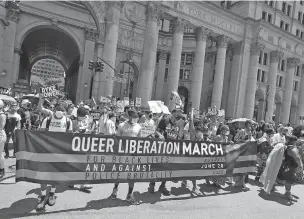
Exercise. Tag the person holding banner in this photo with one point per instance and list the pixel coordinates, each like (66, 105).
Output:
(130, 128)
(111, 125)
(2, 138)
(56, 123)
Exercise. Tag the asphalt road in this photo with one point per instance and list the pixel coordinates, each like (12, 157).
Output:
(19, 201)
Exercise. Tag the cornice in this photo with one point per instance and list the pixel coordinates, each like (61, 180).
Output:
(72, 5)
(46, 14)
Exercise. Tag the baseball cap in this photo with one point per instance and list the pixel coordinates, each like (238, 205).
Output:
(132, 113)
(25, 101)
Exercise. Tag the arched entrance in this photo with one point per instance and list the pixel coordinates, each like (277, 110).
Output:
(259, 106)
(128, 71)
(278, 110)
(184, 95)
(47, 42)
(293, 112)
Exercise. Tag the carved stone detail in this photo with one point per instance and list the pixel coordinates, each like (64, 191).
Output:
(202, 33)
(153, 12)
(91, 34)
(12, 13)
(222, 41)
(179, 25)
(292, 62)
(275, 56)
(209, 56)
(163, 54)
(117, 4)
(18, 51)
(256, 48)
(129, 55)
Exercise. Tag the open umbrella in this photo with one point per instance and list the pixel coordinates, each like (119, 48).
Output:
(241, 120)
(7, 98)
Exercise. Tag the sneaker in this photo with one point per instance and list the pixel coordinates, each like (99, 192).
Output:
(2, 173)
(196, 191)
(42, 203)
(151, 189)
(245, 187)
(131, 199)
(114, 194)
(184, 183)
(288, 196)
(164, 191)
(52, 199)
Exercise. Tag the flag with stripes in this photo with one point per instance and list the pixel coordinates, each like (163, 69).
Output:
(66, 158)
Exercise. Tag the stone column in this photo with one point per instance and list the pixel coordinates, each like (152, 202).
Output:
(300, 110)
(291, 67)
(256, 48)
(9, 37)
(3, 24)
(96, 77)
(110, 46)
(222, 42)
(198, 68)
(275, 57)
(148, 62)
(175, 59)
(17, 54)
(161, 75)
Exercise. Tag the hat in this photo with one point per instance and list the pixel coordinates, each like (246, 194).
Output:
(290, 139)
(270, 131)
(132, 113)
(60, 108)
(224, 128)
(25, 101)
(87, 107)
(81, 112)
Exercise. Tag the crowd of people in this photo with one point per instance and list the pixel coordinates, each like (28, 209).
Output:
(280, 148)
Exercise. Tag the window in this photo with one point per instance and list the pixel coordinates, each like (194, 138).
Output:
(189, 59)
(168, 59)
(264, 15)
(286, 27)
(260, 58)
(297, 72)
(271, 3)
(214, 61)
(279, 81)
(302, 34)
(269, 18)
(166, 74)
(295, 85)
(301, 2)
(282, 24)
(282, 65)
(222, 3)
(289, 10)
(181, 73)
(299, 16)
(183, 58)
(265, 59)
(259, 75)
(298, 33)
(187, 74)
(284, 7)
(263, 76)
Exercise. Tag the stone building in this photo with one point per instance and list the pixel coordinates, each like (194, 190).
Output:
(242, 56)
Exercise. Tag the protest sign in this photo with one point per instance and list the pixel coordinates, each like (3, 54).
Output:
(132, 103)
(138, 102)
(120, 106)
(104, 100)
(74, 158)
(4, 90)
(147, 130)
(51, 91)
(95, 115)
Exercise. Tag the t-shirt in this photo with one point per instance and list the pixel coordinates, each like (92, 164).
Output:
(102, 123)
(110, 127)
(129, 130)
(12, 121)
(186, 132)
(57, 125)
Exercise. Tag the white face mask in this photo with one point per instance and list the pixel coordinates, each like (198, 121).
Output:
(134, 120)
(59, 114)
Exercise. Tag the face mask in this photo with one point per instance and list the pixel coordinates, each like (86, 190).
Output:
(59, 114)
(134, 120)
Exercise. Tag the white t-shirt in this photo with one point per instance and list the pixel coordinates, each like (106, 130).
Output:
(57, 125)
(128, 130)
(102, 123)
(15, 115)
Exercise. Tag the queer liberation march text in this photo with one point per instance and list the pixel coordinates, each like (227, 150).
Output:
(66, 158)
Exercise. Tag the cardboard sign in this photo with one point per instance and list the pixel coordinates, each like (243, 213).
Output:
(120, 106)
(221, 113)
(51, 91)
(95, 115)
(147, 130)
(138, 102)
(158, 107)
(212, 111)
(104, 99)
(126, 99)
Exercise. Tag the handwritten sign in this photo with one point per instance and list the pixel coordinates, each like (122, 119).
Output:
(138, 102)
(51, 91)
(3, 90)
(120, 106)
(147, 130)
(95, 115)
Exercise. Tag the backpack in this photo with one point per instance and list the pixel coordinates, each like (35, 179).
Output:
(49, 119)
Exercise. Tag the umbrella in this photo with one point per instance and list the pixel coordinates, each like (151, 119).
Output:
(7, 98)
(242, 120)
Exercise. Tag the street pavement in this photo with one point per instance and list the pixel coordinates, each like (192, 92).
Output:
(19, 201)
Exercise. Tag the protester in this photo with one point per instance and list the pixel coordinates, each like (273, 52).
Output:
(2, 138)
(111, 125)
(13, 122)
(24, 112)
(130, 128)
(56, 123)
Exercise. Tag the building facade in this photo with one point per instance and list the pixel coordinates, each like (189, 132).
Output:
(242, 56)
